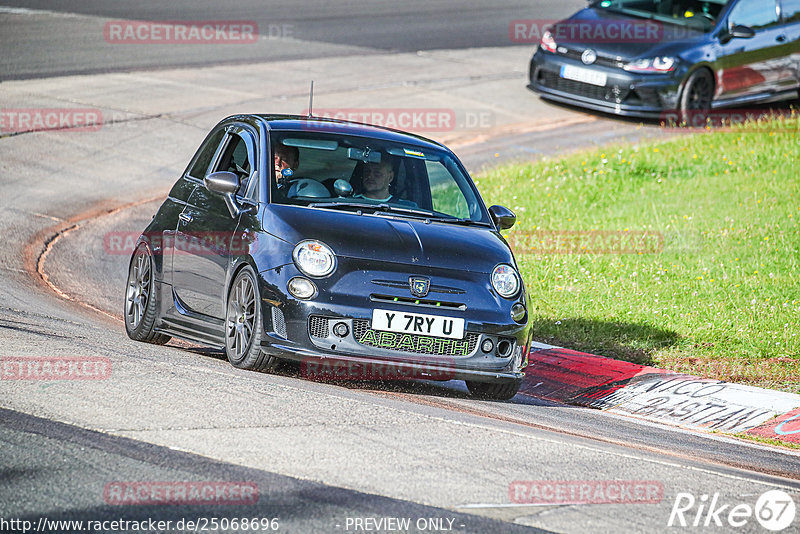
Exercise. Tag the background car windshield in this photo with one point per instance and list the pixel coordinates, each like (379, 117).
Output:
(700, 14)
(404, 177)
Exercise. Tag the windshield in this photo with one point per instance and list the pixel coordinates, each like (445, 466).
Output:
(695, 13)
(354, 173)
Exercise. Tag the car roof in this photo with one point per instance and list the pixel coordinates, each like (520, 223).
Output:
(337, 126)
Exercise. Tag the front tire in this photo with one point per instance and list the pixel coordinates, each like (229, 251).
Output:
(140, 299)
(243, 325)
(697, 96)
(494, 391)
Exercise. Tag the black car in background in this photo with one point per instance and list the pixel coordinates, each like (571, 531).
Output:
(278, 242)
(648, 58)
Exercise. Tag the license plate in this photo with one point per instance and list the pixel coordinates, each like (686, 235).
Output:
(418, 323)
(593, 77)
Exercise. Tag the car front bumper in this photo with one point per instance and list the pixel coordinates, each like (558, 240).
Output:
(624, 93)
(303, 330)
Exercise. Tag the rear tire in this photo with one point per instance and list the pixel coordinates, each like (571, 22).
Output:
(494, 391)
(140, 299)
(243, 325)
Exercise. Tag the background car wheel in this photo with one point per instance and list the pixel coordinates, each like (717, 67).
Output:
(140, 299)
(697, 95)
(488, 390)
(243, 326)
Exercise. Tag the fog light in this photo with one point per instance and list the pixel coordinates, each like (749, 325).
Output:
(517, 312)
(302, 288)
(504, 348)
(341, 330)
(487, 345)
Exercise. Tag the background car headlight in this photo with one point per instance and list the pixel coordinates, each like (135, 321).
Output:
(548, 42)
(505, 281)
(314, 258)
(652, 64)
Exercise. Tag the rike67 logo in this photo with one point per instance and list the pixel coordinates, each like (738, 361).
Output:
(774, 510)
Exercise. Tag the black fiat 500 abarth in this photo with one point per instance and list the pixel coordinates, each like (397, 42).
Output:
(327, 241)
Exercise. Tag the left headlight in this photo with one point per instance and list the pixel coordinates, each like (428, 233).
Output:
(314, 258)
(652, 64)
(505, 281)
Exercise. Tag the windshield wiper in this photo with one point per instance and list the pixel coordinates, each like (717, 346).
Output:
(357, 205)
(380, 209)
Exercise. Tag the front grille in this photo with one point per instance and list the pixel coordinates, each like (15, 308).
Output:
(554, 81)
(318, 326)
(425, 303)
(435, 288)
(605, 61)
(278, 322)
(415, 344)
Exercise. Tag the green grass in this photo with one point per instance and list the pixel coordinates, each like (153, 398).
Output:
(714, 288)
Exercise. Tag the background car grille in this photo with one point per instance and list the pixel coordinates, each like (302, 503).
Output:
(360, 327)
(318, 326)
(554, 81)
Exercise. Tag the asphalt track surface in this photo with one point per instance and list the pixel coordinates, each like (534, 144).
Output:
(319, 453)
(66, 37)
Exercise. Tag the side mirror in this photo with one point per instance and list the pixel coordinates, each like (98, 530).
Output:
(740, 31)
(222, 182)
(342, 188)
(226, 184)
(503, 217)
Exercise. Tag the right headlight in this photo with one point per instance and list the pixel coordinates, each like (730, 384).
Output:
(505, 280)
(652, 64)
(314, 258)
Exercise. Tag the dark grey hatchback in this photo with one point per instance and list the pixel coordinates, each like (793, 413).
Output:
(649, 58)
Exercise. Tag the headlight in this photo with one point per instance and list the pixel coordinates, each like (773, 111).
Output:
(652, 64)
(314, 258)
(548, 42)
(505, 281)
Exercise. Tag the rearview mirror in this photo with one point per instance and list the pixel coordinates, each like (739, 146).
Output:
(367, 155)
(503, 217)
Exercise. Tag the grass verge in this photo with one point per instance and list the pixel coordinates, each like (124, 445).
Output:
(681, 254)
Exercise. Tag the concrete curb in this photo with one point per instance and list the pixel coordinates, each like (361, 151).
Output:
(659, 395)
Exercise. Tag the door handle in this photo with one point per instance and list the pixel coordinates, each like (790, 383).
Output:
(780, 38)
(185, 217)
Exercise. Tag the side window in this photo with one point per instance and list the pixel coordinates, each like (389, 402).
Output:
(445, 193)
(205, 154)
(756, 14)
(790, 11)
(236, 159)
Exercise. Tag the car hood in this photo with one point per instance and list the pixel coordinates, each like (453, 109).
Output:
(619, 36)
(393, 239)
